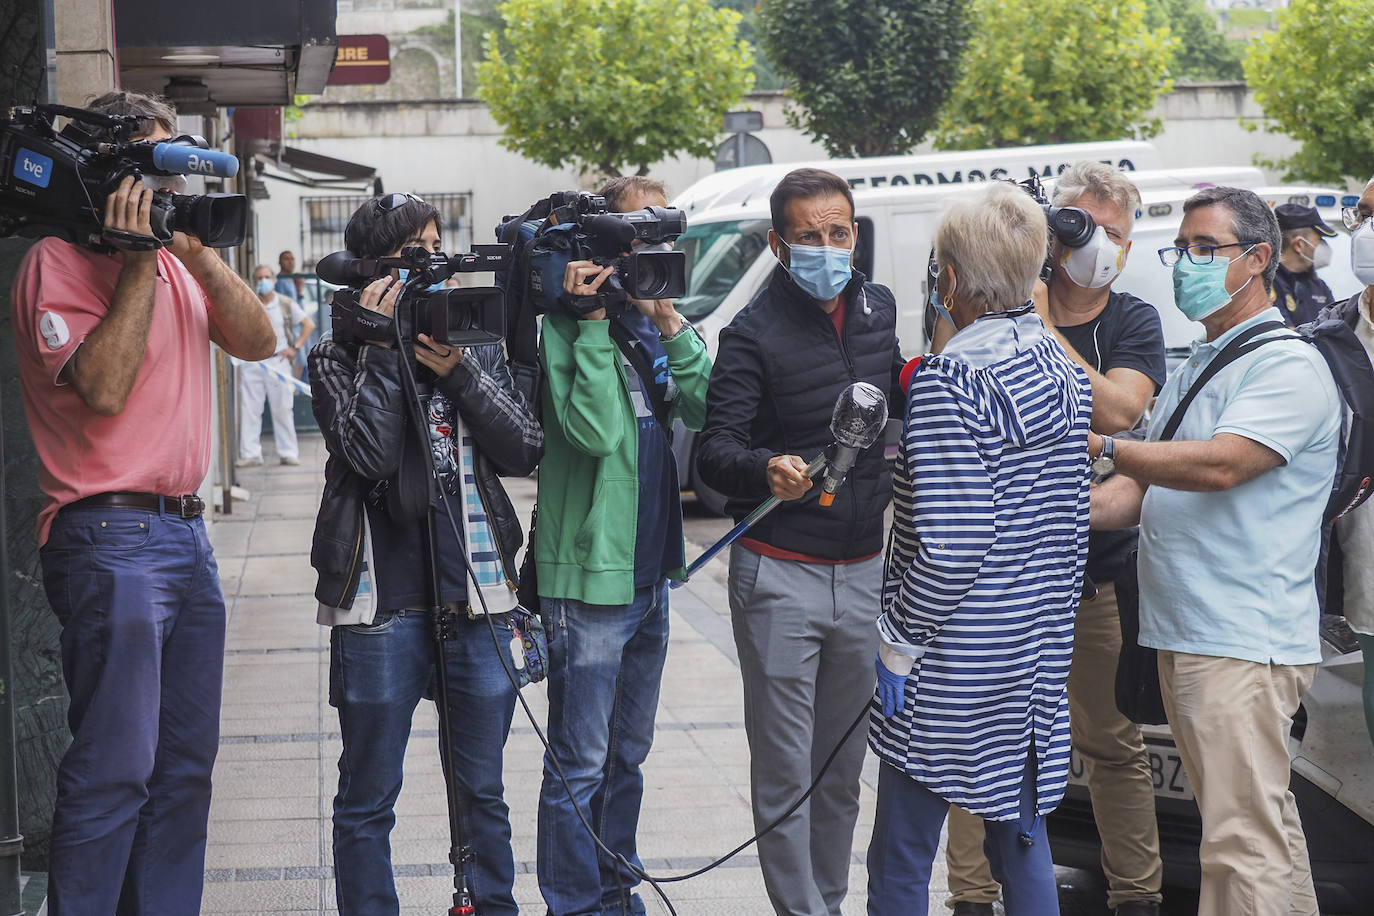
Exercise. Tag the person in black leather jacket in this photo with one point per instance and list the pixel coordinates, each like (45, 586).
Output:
(373, 584)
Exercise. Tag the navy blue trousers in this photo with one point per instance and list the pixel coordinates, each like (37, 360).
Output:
(143, 619)
(906, 838)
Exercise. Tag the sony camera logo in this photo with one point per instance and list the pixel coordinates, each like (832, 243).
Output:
(959, 177)
(33, 168)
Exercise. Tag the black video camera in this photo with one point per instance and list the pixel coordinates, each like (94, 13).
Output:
(579, 228)
(56, 183)
(1072, 227)
(455, 317)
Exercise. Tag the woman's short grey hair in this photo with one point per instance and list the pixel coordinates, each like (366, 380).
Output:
(1104, 182)
(995, 240)
(1251, 220)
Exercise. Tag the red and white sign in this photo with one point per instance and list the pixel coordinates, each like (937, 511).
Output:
(361, 60)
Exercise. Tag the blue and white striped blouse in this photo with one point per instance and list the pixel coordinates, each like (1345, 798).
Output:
(990, 534)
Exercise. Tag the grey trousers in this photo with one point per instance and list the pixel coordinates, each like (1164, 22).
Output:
(806, 639)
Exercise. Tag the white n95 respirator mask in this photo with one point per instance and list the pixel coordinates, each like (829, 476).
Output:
(1362, 253)
(1097, 263)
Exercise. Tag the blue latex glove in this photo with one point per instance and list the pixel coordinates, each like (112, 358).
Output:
(891, 689)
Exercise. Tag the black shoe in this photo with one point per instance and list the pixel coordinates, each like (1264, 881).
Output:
(964, 908)
(1138, 908)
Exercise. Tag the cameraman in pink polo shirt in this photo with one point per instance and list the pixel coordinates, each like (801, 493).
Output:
(114, 360)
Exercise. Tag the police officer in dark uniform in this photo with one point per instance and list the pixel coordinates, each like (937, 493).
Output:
(1298, 292)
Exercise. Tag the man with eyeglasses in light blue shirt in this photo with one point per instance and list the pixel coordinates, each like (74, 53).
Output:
(1232, 609)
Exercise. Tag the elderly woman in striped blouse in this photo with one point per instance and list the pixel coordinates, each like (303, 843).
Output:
(984, 571)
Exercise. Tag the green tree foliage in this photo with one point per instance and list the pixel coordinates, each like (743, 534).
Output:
(1045, 71)
(868, 76)
(613, 84)
(476, 27)
(1203, 54)
(765, 74)
(1315, 77)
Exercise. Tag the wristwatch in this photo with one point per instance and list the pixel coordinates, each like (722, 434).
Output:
(686, 326)
(1104, 465)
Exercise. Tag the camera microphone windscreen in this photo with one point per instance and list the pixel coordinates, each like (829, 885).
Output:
(858, 420)
(193, 160)
(342, 269)
(611, 231)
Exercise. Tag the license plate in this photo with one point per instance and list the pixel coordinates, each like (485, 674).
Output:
(1166, 771)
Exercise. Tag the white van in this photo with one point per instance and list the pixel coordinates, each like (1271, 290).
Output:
(897, 201)
(750, 185)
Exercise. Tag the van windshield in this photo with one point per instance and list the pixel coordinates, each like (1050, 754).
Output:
(718, 254)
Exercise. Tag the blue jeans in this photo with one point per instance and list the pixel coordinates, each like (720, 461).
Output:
(906, 836)
(142, 643)
(605, 665)
(377, 676)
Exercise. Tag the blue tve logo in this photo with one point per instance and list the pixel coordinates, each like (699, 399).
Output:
(33, 168)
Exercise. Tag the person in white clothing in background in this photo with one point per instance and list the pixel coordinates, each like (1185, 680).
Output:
(260, 382)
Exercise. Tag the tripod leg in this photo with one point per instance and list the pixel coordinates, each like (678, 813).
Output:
(441, 619)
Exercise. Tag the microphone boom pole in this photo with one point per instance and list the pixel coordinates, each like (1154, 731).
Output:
(735, 533)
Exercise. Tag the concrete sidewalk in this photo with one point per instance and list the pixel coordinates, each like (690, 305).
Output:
(269, 846)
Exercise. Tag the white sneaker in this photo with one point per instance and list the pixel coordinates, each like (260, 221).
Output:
(291, 461)
(248, 463)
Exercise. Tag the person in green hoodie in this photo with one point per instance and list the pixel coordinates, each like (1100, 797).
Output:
(608, 539)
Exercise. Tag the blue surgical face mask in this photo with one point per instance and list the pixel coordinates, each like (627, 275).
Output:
(265, 286)
(1200, 289)
(936, 304)
(821, 271)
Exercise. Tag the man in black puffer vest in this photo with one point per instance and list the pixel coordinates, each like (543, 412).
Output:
(805, 582)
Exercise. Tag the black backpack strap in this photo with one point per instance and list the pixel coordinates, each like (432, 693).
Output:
(635, 354)
(522, 328)
(1241, 345)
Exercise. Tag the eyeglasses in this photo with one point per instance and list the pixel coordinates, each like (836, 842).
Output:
(934, 269)
(1197, 254)
(392, 201)
(1353, 218)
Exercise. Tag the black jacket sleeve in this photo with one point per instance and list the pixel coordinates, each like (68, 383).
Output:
(724, 457)
(896, 394)
(503, 424)
(360, 405)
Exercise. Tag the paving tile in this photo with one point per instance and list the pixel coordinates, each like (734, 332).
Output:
(229, 537)
(261, 897)
(285, 834)
(274, 537)
(278, 574)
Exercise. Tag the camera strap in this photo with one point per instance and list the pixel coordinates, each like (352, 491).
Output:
(633, 352)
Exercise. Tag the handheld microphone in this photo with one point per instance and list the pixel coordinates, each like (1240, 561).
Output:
(857, 422)
(193, 160)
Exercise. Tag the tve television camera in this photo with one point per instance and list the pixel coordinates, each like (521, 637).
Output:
(56, 183)
(456, 317)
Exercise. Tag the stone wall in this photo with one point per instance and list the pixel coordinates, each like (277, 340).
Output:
(40, 699)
